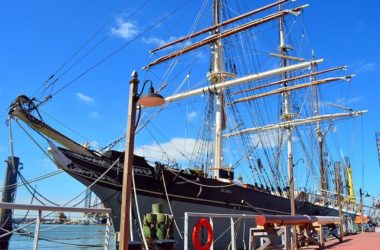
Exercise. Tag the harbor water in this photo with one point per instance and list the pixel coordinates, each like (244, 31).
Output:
(60, 236)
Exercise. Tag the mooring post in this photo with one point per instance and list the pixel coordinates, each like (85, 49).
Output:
(8, 196)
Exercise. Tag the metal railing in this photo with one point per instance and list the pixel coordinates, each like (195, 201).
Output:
(40, 209)
(212, 216)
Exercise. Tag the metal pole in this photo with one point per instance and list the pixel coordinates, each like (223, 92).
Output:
(212, 226)
(107, 237)
(185, 235)
(361, 209)
(128, 164)
(233, 241)
(338, 183)
(37, 231)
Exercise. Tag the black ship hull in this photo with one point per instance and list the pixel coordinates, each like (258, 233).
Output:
(186, 191)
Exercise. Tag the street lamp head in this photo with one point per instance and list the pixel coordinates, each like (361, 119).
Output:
(151, 99)
(134, 74)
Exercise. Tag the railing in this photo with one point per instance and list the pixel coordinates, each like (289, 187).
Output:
(270, 227)
(212, 216)
(40, 209)
(307, 227)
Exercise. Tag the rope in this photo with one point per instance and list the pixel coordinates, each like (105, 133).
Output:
(34, 221)
(81, 48)
(33, 180)
(27, 212)
(92, 184)
(202, 185)
(38, 145)
(228, 229)
(170, 207)
(253, 207)
(30, 234)
(11, 138)
(138, 210)
(64, 125)
(115, 51)
(27, 185)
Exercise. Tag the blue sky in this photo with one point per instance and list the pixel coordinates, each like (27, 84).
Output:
(37, 37)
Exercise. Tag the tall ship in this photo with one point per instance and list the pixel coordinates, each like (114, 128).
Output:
(262, 120)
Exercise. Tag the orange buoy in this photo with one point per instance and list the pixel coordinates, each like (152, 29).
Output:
(202, 222)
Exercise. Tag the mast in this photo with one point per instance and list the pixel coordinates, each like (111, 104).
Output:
(215, 78)
(287, 116)
(320, 138)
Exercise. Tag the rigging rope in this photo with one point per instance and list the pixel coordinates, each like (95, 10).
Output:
(34, 221)
(30, 234)
(170, 207)
(49, 82)
(138, 36)
(138, 211)
(33, 140)
(29, 188)
(33, 180)
(198, 184)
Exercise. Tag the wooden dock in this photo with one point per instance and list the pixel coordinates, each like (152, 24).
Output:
(364, 241)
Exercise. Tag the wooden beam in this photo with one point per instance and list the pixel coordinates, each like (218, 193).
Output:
(222, 35)
(215, 27)
(289, 79)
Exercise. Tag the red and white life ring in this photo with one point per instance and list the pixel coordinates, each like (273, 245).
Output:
(202, 222)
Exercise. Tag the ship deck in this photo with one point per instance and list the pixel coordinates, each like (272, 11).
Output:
(364, 241)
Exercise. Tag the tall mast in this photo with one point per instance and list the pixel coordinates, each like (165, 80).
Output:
(320, 137)
(216, 77)
(287, 116)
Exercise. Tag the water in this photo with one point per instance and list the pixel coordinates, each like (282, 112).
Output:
(64, 237)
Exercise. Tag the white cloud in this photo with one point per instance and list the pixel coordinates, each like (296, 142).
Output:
(85, 98)
(93, 114)
(191, 116)
(178, 149)
(155, 41)
(363, 66)
(349, 100)
(343, 102)
(124, 29)
(158, 42)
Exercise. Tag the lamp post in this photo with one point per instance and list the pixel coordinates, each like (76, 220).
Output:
(149, 100)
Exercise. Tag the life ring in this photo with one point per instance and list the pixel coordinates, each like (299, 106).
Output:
(202, 222)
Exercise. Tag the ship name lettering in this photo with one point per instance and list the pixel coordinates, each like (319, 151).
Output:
(142, 171)
(223, 190)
